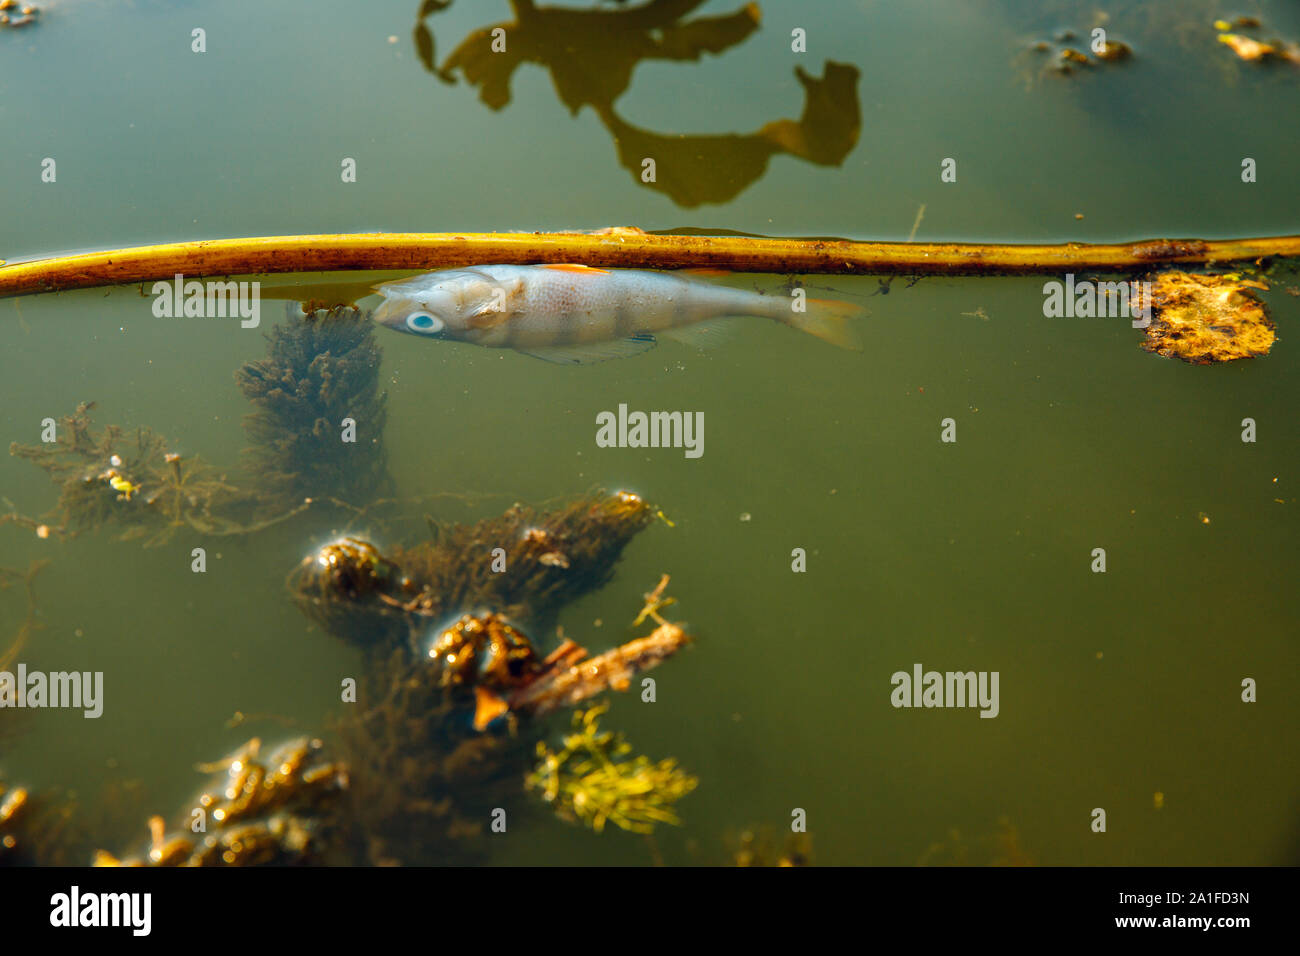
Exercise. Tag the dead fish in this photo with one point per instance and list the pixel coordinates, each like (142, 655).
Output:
(577, 315)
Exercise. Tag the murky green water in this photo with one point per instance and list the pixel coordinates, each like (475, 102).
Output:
(973, 555)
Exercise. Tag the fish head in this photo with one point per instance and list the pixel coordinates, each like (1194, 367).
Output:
(438, 305)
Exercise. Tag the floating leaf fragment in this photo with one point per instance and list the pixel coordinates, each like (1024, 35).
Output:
(1205, 319)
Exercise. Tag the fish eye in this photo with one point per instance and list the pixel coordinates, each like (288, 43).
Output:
(424, 323)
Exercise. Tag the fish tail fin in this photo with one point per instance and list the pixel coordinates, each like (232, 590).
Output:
(829, 319)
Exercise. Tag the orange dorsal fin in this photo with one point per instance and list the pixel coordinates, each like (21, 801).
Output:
(487, 708)
(573, 267)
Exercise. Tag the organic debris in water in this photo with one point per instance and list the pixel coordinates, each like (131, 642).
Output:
(589, 780)
(320, 369)
(354, 592)
(450, 728)
(510, 679)
(1205, 319)
(1065, 59)
(53, 828)
(15, 15)
(1252, 50)
(13, 805)
(280, 812)
(365, 597)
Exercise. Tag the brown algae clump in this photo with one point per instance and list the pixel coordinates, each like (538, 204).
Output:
(277, 812)
(521, 564)
(354, 592)
(321, 371)
(1205, 319)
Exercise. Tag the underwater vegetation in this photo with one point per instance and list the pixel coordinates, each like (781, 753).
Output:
(58, 828)
(448, 713)
(280, 812)
(447, 736)
(452, 714)
(591, 54)
(589, 781)
(15, 15)
(125, 478)
(13, 803)
(549, 559)
(321, 368)
(30, 624)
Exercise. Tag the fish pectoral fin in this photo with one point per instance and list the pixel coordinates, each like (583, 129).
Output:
(589, 353)
(704, 335)
(497, 307)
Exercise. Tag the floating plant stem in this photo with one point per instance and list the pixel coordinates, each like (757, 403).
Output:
(620, 247)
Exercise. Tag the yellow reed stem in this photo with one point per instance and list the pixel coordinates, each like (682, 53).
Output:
(624, 248)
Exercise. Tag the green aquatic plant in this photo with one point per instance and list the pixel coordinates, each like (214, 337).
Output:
(320, 369)
(589, 781)
(127, 478)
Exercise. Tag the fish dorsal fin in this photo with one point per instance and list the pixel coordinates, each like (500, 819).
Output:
(589, 353)
(572, 267)
(704, 335)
